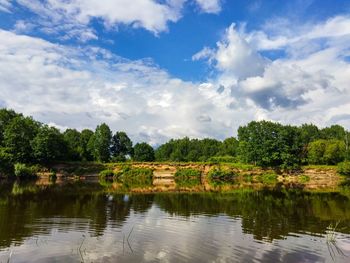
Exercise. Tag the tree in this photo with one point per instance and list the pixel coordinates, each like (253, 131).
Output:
(99, 144)
(316, 151)
(334, 152)
(6, 165)
(17, 137)
(121, 146)
(6, 117)
(85, 137)
(334, 132)
(309, 133)
(229, 147)
(73, 140)
(267, 143)
(49, 145)
(143, 152)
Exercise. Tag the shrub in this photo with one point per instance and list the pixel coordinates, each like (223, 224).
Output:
(24, 171)
(223, 159)
(135, 177)
(187, 177)
(344, 168)
(268, 178)
(106, 173)
(218, 176)
(304, 179)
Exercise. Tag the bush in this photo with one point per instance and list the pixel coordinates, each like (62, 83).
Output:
(268, 178)
(344, 168)
(187, 177)
(24, 171)
(135, 177)
(218, 176)
(223, 159)
(106, 173)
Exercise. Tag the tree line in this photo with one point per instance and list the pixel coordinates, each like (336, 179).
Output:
(263, 143)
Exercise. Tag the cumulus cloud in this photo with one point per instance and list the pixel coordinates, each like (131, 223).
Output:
(307, 83)
(209, 6)
(74, 18)
(5, 5)
(82, 87)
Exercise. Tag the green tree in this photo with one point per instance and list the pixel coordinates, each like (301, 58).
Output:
(229, 147)
(316, 151)
(267, 143)
(309, 133)
(6, 165)
(121, 146)
(143, 152)
(99, 144)
(85, 137)
(17, 137)
(49, 145)
(6, 117)
(333, 132)
(73, 140)
(334, 152)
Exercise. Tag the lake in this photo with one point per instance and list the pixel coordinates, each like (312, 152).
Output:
(85, 222)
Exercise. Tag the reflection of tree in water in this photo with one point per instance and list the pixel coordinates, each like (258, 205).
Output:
(267, 215)
(91, 208)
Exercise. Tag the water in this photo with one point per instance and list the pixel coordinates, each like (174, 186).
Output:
(81, 222)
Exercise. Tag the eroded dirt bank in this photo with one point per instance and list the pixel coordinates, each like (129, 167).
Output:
(246, 176)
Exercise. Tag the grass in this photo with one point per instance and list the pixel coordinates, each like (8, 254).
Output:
(304, 179)
(268, 178)
(187, 177)
(218, 176)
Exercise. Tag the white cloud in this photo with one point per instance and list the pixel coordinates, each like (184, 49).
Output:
(72, 19)
(308, 83)
(209, 6)
(5, 5)
(82, 87)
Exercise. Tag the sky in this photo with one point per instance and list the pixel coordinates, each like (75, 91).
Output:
(161, 69)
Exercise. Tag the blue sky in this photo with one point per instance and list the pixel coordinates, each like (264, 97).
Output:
(161, 69)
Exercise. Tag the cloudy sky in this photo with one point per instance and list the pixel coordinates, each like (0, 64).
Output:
(169, 68)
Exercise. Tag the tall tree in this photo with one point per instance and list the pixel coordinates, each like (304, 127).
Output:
(17, 137)
(143, 152)
(6, 117)
(49, 145)
(267, 143)
(229, 147)
(73, 140)
(85, 137)
(121, 146)
(100, 143)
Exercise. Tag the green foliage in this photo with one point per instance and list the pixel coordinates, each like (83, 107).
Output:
(217, 176)
(121, 146)
(73, 140)
(344, 168)
(223, 159)
(143, 152)
(229, 147)
(18, 134)
(85, 137)
(326, 151)
(48, 145)
(106, 173)
(333, 132)
(304, 179)
(309, 133)
(99, 143)
(135, 177)
(6, 165)
(187, 177)
(6, 117)
(24, 171)
(266, 143)
(193, 150)
(268, 178)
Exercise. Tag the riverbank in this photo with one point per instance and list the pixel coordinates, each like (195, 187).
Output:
(212, 176)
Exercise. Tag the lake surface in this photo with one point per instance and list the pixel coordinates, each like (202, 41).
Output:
(82, 222)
